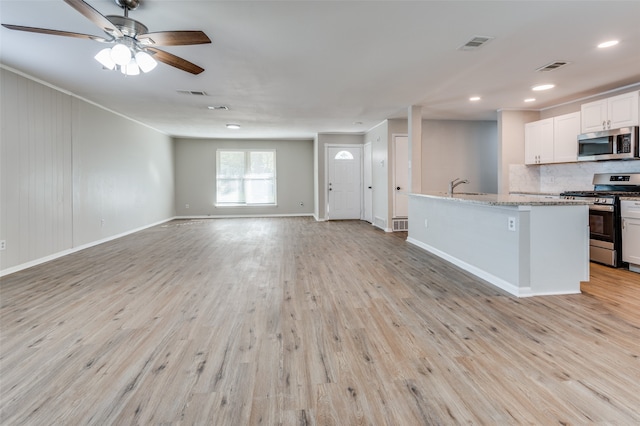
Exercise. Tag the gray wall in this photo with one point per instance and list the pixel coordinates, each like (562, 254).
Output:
(73, 174)
(195, 171)
(464, 149)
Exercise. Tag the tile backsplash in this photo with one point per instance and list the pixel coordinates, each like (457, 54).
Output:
(556, 178)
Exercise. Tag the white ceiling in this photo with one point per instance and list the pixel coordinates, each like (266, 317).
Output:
(291, 69)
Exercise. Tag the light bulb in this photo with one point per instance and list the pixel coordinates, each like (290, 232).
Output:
(145, 61)
(120, 54)
(131, 68)
(104, 57)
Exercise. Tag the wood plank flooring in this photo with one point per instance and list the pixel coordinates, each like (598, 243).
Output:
(294, 322)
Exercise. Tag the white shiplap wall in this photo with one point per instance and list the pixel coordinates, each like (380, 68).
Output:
(74, 174)
(36, 192)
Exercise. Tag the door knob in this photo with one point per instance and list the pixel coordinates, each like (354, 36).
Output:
(398, 188)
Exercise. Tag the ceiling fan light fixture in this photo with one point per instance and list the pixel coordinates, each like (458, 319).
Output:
(121, 54)
(145, 61)
(104, 57)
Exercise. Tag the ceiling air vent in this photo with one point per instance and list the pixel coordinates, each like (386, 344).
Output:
(553, 66)
(475, 43)
(193, 92)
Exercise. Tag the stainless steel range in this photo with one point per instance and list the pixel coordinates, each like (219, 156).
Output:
(604, 214)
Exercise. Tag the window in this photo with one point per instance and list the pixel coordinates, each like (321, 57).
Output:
(245, 177)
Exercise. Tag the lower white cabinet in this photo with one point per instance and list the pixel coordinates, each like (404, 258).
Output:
(552, 140)
(630, 212)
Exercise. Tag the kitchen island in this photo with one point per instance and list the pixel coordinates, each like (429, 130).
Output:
(527, 246)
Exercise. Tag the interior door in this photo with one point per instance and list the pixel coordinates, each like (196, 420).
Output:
(367, 188)
(344, 182)
(401, 176)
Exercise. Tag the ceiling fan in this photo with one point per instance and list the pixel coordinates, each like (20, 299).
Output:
(134, 46)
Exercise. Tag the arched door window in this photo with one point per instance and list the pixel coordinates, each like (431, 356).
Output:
(344, 155)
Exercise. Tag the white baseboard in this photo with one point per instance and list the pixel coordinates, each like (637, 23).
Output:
(233, 216)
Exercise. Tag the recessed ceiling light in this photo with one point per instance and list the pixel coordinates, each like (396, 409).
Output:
(474, 98)
(542, 87)
(219, 107)
(233, 126)
(357, 123)
(530, 100)
(608, 44)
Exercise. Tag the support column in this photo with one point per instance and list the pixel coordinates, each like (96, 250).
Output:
(415, 148)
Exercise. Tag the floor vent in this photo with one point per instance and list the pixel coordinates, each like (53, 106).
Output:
(553, 66)
(400, 225)
(475, 43)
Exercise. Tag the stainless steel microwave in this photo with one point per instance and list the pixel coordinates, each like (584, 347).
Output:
(617, 144)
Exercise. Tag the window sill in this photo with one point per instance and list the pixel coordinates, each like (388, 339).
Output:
(244, 205)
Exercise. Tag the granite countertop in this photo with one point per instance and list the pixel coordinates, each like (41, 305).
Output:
(502, 199)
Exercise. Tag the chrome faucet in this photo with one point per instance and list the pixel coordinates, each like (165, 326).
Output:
(454, 183)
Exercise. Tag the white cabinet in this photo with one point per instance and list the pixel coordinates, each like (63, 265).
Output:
(630, 212)
(611, 113)
(538, 142)
(553, 140)
(566, 129)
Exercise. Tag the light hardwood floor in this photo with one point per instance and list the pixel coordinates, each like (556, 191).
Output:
(289, 321)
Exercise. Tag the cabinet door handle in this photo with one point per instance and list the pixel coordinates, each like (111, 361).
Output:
(608, 124)
(604, 124)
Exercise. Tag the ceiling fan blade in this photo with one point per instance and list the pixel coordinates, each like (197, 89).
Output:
(55, 32)
(175, 61)
(173, 38)
(96, 17)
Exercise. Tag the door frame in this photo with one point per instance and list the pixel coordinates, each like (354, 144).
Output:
(393, 170)
(364, 178)
(326, 173)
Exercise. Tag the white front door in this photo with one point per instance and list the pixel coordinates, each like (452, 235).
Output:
(368, 184)
(401, 176)
(344, 182)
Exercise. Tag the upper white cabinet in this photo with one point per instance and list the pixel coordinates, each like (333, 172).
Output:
(611, 113)
(538, 142)
(553, 140)
(566, 129)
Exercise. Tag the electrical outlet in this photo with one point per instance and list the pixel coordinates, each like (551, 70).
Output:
(186, 206)
(3, 245)
(512, 224)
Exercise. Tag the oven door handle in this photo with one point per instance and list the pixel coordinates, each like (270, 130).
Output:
(601, 208)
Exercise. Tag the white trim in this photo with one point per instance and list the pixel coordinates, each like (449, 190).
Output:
(238, 216)
(63, 253)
